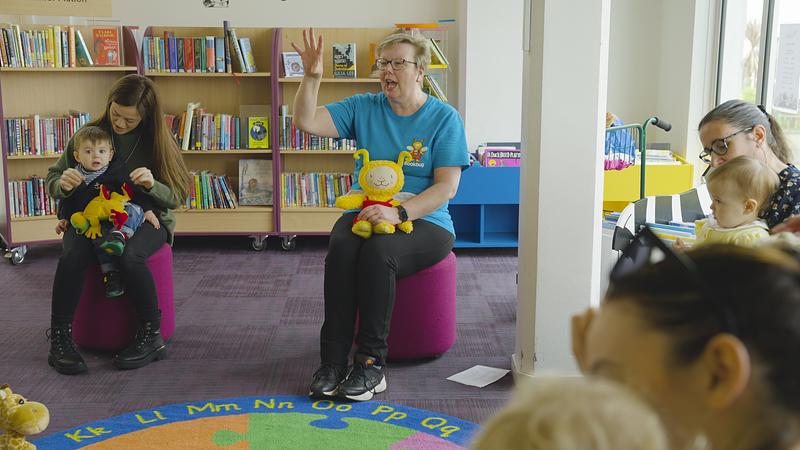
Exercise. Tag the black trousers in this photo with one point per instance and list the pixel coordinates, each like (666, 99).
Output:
(78, 253)
(360, 276)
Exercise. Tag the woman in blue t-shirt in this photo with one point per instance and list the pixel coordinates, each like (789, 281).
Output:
(738, 128)
(360, 274)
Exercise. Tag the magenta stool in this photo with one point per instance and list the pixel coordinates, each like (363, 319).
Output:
(424, 317)
(110, 323)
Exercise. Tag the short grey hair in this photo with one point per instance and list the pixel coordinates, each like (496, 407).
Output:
(422, 49)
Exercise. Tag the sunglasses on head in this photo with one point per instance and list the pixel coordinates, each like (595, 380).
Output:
(647, 249)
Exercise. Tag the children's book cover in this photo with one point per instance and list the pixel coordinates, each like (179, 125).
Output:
(255, 182)
(344, 60)
(106, 46)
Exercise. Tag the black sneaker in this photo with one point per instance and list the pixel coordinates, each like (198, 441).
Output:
(364, 380)
(326, 380)
(113, 282)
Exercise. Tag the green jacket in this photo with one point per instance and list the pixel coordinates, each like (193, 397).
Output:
(132, 148)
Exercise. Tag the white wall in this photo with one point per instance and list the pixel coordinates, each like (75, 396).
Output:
(565, 83)
(633, 58)
(490, 70)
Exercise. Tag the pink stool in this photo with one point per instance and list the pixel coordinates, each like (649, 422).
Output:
(110, 324)
(424, 317)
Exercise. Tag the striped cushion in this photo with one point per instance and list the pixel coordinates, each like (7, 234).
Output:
(689, 206)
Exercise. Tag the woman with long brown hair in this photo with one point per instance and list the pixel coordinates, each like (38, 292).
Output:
(134, 118)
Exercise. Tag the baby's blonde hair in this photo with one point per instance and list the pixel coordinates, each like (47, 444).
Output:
(573, 413)
(750, 177)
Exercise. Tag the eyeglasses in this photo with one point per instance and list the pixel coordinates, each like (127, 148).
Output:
(647, 249)
(397, 64)
(720, 146)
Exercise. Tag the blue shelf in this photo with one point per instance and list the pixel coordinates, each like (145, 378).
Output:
(485, 210)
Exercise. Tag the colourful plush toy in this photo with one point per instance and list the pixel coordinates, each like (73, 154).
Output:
(108, 205)
(380, 181)
(20, 418)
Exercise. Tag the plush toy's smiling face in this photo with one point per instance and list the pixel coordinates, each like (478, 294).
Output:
(21, 416)
(382, 178)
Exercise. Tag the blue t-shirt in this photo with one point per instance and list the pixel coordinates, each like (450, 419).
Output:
(434, 135)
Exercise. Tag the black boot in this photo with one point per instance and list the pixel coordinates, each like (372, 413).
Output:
(147, 346)
(64, 356)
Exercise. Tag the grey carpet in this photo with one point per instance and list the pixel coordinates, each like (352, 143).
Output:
(248, 324)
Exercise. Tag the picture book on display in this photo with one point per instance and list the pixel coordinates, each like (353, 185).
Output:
(106, 46)
(292, 64)
(255, 182)
(258, 132)
(344, 60)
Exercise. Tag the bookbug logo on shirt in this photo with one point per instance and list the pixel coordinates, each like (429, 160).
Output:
(417, 150)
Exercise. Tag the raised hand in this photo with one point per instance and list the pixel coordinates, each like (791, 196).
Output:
(311, 54)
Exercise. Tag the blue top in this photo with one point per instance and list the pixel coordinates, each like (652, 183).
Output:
(785, 202)
(434, 135)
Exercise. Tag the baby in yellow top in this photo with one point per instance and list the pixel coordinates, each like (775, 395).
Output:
(740, 190)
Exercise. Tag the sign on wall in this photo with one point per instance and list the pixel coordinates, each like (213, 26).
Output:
(80, 8)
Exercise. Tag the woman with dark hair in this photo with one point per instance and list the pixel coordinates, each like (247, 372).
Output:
(710, 338)
(738, 128)
(134, 118)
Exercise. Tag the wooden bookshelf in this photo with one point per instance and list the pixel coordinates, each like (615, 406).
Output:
(221, 92)
(319, 220)
(48, 92)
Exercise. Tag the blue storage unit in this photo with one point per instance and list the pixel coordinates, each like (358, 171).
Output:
(485, 209)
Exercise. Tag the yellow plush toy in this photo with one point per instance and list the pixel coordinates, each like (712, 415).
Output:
(20, 418)
(108, 205)
(380, 182)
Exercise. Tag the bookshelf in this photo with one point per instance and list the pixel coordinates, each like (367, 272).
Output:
(438, 69)
(222, 93)
(487, 217)
(48, 92)
(315, 220)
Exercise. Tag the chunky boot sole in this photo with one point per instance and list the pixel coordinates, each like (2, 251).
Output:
(66, 370)
(368, 395)
(161, 353)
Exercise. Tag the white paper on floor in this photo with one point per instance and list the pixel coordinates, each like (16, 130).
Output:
(479, 376)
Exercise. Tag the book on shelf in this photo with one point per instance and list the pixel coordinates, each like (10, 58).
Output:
(197, 129)
(314, 189)
(237, 55)
(82, 51)
(53, 46)
(247, 54)
(344, 60)
(292, 64)
(106, 46)
(210, 191)
(431, 87)
(255, 182)
(247, 111)
(292, 138)
(219, 54)
(228, 49)
(29, 198)
(258, 132)
(437, 55)
(36, 135)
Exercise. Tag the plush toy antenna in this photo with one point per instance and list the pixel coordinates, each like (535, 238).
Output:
(403, 157)
(127, 189)
(364, 154)
(104, 192)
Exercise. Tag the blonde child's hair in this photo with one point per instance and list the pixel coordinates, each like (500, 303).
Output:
(90, 133)
(750, 177)
(573, 413)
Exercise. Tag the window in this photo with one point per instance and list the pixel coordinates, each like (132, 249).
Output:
(740, 51)
(765, 68)
(783, 89)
